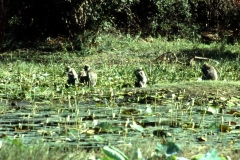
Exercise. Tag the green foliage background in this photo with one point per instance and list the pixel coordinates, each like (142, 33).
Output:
(29, 23)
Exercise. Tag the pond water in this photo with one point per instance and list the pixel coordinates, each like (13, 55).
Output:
(120, 120)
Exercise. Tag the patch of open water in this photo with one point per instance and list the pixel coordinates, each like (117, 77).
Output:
(89, 124)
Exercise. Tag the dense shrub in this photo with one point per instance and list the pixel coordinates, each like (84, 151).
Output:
(25, 23)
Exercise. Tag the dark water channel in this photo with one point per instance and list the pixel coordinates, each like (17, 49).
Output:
(95, 124)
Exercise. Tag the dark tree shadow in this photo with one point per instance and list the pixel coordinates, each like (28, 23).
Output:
(217, 52)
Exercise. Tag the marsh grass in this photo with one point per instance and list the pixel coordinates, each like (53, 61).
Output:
(35, 77)
(44, 151)
(38, 81)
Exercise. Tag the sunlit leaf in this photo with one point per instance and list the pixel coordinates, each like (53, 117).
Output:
(98, 138)
(213, 110)
(100, 105)
(193, 130)
(223, 98)
(137, 154)
(96, 99)
(45, 74)
(120, 97)
(230, 104)
(90, 132)
(137, 127)
(149, 109)
(114, 153)
(172, 158)
(211, 155)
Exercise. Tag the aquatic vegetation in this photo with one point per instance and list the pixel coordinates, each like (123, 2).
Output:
(176, 106)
